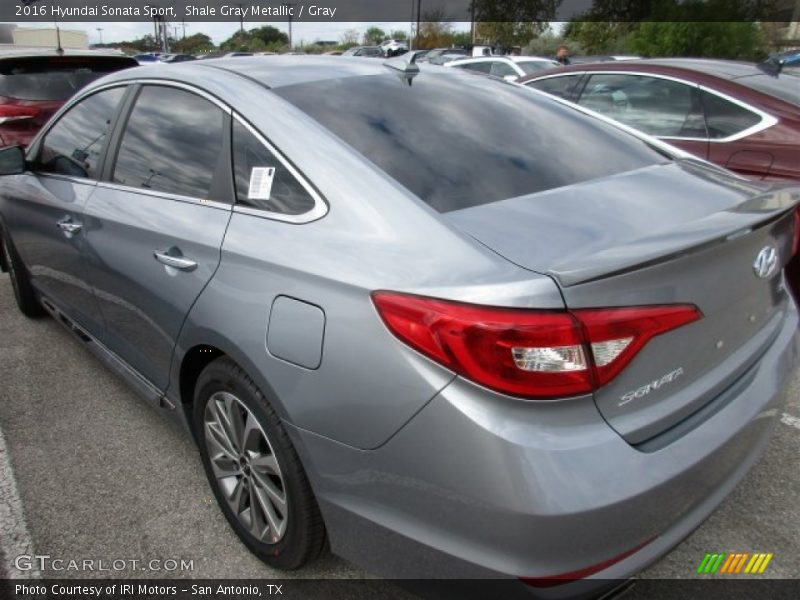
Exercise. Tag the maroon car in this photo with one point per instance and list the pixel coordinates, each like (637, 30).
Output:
(34, 85)
(737, 115)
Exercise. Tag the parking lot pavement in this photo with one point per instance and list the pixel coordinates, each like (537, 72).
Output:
(101, 475)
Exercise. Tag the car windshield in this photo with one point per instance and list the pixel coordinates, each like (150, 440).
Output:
(53, 79)
(497, 142)
(785, 86)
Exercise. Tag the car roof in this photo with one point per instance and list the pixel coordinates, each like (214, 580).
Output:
(270, 71)
(724, 69)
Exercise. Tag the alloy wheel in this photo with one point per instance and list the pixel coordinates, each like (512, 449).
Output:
(245, 467)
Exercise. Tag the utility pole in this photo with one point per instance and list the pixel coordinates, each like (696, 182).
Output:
(241, 19)
(289, 7)
(100, 33)
(419, 8)
(472, 24)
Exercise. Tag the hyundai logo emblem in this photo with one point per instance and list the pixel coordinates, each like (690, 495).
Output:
(766, 262)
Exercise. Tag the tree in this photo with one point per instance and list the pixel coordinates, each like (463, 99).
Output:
(398, 34)
(599, 37)
(435, 30)
(243, 41)
(508, 33)
(374, 36)
(194, 44)
(711, 39)
(349, 38)
(270, 35)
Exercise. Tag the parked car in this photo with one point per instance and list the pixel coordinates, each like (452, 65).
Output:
(237, 54)
(464, 343)
(432, 55)
(177, 58)
(34, 85)
(733, 114)
(443, 59)
(394, 47)
(364, 51)
(510, 68)
(781, 60)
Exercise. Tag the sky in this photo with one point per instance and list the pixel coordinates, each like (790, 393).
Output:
(219, 32)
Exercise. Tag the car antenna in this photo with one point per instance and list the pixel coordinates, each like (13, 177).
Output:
(407, 63)
(59, 49)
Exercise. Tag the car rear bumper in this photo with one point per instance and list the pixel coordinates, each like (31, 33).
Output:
(479, 485)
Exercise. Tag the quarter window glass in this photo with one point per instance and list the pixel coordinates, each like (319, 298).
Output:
(500, 69)
(73, 145)
(650, 104)
(555, 86)
(480, 67)
(726, 118)
(172, 143)
(261, 179)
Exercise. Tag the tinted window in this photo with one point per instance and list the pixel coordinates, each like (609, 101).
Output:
(725, 118)
(532, 66)
(73, 145)
(274, 188)
(650, 104)
(785, 87)
(54, 78)
(172, 143)
(480, 67)
(501, 69)
(555, 86)
(495, 142)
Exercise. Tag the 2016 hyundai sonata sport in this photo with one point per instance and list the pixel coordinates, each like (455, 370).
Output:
(448, 325)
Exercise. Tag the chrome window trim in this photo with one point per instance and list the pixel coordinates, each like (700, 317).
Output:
(320, 206)
(766, 122)
(67, 178)
(165, 195)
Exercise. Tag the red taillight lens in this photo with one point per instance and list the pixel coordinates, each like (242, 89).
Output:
(15, 112)
(616, 335)
(537, 354)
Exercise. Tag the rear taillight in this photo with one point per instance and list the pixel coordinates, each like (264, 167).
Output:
(15, 112)
(536, 354)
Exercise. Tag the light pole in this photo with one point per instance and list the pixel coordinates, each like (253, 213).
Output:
(289, 6)
(100, 33)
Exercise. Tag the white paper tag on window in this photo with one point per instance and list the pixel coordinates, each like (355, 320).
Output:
(261, 183)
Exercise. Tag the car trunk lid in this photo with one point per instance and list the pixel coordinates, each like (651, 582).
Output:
(683, 233)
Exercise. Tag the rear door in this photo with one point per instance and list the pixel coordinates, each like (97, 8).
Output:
(665, 108)
(45, 207)
(159, 221)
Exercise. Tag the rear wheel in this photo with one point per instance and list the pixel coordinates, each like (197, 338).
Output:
(20, 280)
(254, 470)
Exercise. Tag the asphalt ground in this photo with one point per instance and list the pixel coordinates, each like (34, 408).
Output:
(88, 470)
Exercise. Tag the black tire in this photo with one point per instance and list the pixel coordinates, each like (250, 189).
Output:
(304, 537)
(24, 294)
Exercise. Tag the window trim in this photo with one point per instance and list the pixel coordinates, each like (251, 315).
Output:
(35, 147)
(766, 121)
(321, 207)
(121, 124)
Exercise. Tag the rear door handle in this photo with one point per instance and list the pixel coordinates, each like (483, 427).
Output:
(69, 227)
(176, 262)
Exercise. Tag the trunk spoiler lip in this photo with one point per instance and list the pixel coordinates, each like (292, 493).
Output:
(712, 230)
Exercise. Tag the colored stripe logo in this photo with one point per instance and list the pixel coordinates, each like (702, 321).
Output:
(734, 563)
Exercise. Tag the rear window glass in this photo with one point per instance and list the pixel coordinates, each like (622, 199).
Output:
(458, 141)
(54, 79)
(785, 87)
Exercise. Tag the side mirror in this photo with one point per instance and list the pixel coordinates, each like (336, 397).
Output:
(12, 160)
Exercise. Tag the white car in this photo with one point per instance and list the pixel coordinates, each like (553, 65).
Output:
(394, 47)
(509, 68)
